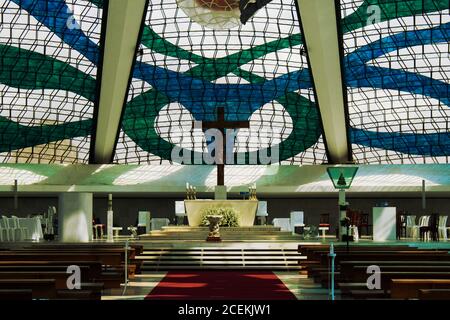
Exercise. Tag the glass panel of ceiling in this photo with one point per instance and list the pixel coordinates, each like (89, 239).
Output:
(49, 51)
(397, 69)
(196, 56)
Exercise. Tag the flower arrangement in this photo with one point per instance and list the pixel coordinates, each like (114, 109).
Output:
(230, 217)
(311, 232)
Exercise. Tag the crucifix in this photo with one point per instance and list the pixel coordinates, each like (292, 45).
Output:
(221, 125)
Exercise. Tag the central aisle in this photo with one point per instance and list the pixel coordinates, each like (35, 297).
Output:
(221, 285)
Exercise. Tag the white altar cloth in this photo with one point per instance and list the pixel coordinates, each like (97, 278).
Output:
(246, 210)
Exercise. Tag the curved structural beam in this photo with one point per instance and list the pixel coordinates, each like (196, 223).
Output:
(320, 31)
(122, 31)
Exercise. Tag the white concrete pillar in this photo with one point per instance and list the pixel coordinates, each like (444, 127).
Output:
(109, 219)
(342, 212)
(75, 217)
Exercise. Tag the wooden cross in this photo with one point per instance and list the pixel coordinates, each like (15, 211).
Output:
(221, 125)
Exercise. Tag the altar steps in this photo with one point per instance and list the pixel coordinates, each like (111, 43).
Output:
(260, 233)
(220, 258)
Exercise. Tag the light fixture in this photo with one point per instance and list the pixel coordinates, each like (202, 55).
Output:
(213, 14)
(342, 176)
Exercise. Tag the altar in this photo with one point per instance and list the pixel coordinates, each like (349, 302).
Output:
(246, 210)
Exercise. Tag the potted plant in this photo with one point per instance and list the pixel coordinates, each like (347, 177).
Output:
(230, 217)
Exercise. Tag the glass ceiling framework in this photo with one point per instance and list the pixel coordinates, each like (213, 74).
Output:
(397, 66)
(49, 51)
(256, 72)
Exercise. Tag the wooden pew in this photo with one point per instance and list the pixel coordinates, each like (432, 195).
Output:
(134, 265)
(16, 294)
(48, 289)
(78, 295)
(41, 288)
(348, 266)
(317, 256)
(131, 252)
(389, 256)
(434, 294)
(60, 277)
(409, 288)
(93, 269)
(386, 277)
(92, 272)
(37, 265)
(394, 261)
(104, 258)
(135, 248)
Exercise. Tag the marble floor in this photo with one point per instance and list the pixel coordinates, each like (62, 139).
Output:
(137, 288)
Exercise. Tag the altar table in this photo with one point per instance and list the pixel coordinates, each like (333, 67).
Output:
(245, 209)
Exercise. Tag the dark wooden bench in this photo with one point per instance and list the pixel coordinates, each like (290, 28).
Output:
(41, 288)
(409, 288)
(348, 266)
(434, 294)
(363, 294)
(48, 289)
(42, 268)
(386, 256)
(131, 252)
(104, 258)
(401, 262)
(134, 265)
(386, 277)
(16, 294)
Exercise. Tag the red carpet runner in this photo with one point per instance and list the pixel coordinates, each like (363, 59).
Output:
(217, 285)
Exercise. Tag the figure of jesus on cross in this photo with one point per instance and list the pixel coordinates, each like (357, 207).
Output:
(221, 146)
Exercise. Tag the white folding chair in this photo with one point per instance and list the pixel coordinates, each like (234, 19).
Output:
(180, 212)
(24, 232)
(158, 223)
(296, 220)
(423, 222)
(12, 232)
(20, 233)
(144, 220)
(261, 213)
(410, 226)
(4, 235)
(442, 228)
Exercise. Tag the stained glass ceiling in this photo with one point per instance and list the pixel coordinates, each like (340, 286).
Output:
(49, 55)
(186, 70)
(396, 70)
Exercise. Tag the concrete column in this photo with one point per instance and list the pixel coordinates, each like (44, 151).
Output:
(342, 212)
(75, 217)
